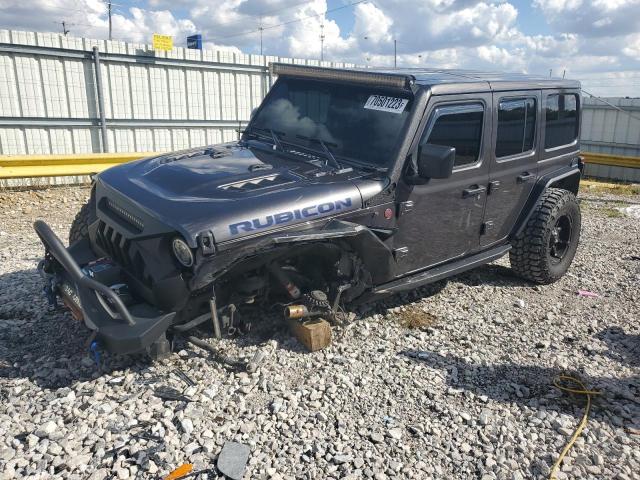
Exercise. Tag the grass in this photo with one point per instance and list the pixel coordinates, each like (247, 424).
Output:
(591, 186)
(415, 318)
(611, 212)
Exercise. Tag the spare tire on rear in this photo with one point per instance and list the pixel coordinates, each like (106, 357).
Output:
(85, 217)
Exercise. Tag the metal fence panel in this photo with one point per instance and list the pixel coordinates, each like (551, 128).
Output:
(607, 130)
(161, 101)
(153, 100)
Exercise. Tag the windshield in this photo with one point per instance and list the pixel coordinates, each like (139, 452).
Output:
(354, 122)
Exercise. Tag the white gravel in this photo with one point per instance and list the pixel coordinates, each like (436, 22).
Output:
(476, 403)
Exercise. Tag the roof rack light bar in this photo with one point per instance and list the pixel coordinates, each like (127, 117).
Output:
(355, 76)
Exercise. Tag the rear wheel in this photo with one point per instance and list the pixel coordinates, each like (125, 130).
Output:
(543, 251)
(85, 217)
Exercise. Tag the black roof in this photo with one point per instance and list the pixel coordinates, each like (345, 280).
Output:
(457, 80)
(439, 81)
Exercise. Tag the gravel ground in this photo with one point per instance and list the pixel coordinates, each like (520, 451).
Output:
(478, 403)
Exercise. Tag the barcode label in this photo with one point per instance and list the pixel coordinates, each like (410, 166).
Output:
(386, 104)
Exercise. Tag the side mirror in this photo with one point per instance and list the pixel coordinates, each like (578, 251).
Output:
(435, 161)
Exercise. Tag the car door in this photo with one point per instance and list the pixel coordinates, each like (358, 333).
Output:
(441, 219)
(513, 161)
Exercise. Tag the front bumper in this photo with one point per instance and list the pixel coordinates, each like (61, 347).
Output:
(120, 329)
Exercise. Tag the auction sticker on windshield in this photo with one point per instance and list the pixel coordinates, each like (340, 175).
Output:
(386, 104)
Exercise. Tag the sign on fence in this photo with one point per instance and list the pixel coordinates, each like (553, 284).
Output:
(162, 42)
(195, 41)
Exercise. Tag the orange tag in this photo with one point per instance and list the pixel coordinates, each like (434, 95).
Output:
(180, 472)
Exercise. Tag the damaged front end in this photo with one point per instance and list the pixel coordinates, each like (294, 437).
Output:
(135, 289)
(308, 273)
(83, 284)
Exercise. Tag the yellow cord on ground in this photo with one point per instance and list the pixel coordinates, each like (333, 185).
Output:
(582, 390)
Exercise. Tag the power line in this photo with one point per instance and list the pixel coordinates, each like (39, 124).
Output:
(269, 13)
(616, 107)
(248, 32)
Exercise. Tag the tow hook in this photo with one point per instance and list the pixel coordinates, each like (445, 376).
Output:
(50, 292)
(50, 285)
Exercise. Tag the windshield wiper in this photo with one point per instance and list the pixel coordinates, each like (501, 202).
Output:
(325, 149)
(363, 165)
(276, 140)
(267, 133)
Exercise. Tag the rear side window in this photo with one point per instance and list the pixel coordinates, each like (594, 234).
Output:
(516, 126)
(459, 127)
(561, 113)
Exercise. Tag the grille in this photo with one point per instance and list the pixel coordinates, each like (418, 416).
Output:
(124, 215)
(119, 249)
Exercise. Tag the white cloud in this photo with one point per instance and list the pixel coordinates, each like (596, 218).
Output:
(89, 18)
(592, 18)
(588, 37)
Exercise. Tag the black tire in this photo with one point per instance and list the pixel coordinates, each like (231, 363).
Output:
(85, 217)
(543, 252)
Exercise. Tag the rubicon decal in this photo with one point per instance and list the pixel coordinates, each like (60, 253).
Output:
(288, 216)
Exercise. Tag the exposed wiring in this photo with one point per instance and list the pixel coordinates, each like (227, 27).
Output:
(616, 107)
(560, 382)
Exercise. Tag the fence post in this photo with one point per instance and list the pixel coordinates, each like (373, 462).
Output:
(103, 121)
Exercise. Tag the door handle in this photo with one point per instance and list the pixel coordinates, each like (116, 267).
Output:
(525, 177)
(472, 191)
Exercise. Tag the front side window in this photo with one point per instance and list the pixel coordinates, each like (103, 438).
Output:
(459, 127)
(358, 122)
(561, 127)
(516, 126)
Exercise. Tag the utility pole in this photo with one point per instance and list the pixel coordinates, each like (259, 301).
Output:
(109, 10)
(65, 30)
(395, 53)
(322, 42)
(261, 29)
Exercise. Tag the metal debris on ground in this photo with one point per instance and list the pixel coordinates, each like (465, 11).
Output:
(233, 460)
(148, 381)
(170, 394)
(184, 377)
(219, 357)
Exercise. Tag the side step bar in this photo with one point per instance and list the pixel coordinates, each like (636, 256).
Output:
(438, 273)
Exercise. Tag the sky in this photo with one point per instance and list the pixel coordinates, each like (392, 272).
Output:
(595, 41)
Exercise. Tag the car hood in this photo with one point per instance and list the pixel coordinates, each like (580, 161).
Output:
(232, 191)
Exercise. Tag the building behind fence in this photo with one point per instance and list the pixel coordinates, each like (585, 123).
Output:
(146, 100)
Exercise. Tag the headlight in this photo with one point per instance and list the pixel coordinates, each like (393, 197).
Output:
(182, 252)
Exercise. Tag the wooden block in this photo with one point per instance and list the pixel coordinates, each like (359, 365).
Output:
(314, 334)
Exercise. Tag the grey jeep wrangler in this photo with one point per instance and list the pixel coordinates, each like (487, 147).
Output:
(346, 185)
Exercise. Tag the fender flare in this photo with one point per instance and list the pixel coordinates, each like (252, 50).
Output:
(567, 177)
(375, 255)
